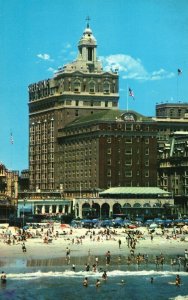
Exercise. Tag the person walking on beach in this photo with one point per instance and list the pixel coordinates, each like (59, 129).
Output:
(68, 255)
(24, 248)
(108, 257)
(119, 242)
(186, 254)
(96, 260)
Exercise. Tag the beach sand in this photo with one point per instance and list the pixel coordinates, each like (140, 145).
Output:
(56, 250)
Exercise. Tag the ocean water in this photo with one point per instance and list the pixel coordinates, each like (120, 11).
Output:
(54, 282)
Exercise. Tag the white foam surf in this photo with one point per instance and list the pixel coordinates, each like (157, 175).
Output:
(114, 273)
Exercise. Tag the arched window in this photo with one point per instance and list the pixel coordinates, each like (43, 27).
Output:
(146, 205)
(136, 205)
(127, 205)
(76, 86)
(92, 87)
(106, 87)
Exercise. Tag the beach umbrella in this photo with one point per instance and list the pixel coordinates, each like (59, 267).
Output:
(168, 221)
(153, 225)
(180, 224)
(95, 221)
(132, 226)
(178, 221)
(159, 221)
(148, 222)
(63, 226)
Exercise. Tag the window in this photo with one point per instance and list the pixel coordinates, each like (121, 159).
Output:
(128, 140)
(77, 86)
(92, 87)
(109, 173)
(109, 140)
(128, 173)
(129, 127)
(109, 162)
(109, 151)
(128, 151)
(128, 162)
(109, 184)
(90, 52)
(106, 87)
(147, 151)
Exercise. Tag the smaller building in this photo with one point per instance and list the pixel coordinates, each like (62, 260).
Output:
(49, 203)
(129, 201)
(173, 172)
(178, 110)
(8, 193)
(24, 180)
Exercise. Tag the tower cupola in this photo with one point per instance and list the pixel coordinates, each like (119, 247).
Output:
(87, 47)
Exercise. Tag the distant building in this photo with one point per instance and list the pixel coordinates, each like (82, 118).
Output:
(9, 182)
(24, 180)
(8, 193)
(172, 110)
(172, 124)
(173, 168)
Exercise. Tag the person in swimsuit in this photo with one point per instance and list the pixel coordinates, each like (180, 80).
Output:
(3, 278)
(97, 283)
(85, 282)
(178, 281)
(104, 275)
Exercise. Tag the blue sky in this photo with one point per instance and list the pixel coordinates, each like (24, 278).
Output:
(146, 39)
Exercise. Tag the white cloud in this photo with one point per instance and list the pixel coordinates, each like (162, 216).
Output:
(68, 46)
(132, 68)
(50, 69)
(44, 56)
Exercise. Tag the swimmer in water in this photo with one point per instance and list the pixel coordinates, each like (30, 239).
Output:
(98, 283)
(3, 278)
(104, 275)
(151, 279)
(178, 281)
(85, 282)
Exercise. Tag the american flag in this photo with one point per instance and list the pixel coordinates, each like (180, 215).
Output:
(131, 93)
(11, 139)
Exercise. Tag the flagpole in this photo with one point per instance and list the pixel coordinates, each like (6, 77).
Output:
(177, 87)
(127, 98)
(11, 149)
(179, 72)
